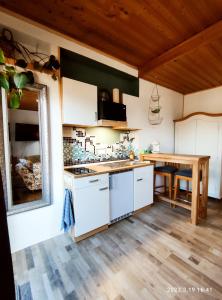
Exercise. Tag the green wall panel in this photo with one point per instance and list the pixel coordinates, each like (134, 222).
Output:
(84, 69)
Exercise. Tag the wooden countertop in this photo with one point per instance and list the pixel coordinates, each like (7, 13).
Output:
(110, 168)
(173, 157)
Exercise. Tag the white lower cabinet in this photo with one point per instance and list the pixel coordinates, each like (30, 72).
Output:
(91, 197)
(91, 203)
(143, 186)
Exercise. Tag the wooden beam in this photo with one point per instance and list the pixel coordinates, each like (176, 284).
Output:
(204, 37)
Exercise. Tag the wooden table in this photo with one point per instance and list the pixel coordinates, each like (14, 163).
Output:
(198, 162)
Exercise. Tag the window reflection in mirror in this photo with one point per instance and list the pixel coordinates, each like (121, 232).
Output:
(25, 150)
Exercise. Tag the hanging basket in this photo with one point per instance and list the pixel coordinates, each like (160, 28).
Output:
(155, 97)
(154, 107)
(156, 122)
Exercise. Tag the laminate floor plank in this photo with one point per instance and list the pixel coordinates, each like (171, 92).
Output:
(156, 254)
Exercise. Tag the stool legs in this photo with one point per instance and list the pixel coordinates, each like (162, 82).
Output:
(187, 189)
(175, 188)
(170, 178)
(170, 186)
(154, 182)
(165, 184)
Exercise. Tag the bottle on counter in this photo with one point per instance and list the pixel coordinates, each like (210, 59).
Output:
(131, 155)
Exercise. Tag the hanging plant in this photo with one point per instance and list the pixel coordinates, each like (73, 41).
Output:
(13, 82)
(155, 110)
(23, 56)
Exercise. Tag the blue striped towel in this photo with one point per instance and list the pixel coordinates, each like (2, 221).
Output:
(68, 219)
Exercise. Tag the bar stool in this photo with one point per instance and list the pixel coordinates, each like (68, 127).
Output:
(183, 174)
(167, 172)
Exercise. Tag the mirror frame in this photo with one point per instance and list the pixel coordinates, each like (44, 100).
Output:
(44, 152)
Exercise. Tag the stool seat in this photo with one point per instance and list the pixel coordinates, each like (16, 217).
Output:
(184, 172)
(166, 169)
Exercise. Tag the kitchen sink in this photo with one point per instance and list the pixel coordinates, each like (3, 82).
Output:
(133, 163)
(123, 164)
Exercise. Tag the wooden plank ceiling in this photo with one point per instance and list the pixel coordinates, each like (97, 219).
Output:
(146, 34)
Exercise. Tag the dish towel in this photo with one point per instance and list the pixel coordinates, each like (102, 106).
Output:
(68, 219)
(17, 293)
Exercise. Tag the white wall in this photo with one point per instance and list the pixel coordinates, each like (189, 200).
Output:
(171, 104)
(37, 225)
(205, 101)
(23, 149)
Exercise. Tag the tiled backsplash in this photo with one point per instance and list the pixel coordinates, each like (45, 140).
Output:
(80, 146)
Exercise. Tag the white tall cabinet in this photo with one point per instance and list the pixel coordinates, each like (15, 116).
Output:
(79, 102)
(201, 134)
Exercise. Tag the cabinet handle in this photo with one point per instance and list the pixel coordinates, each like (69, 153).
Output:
(139, 179)
(103, 189)
(110, 182)
(94, 180)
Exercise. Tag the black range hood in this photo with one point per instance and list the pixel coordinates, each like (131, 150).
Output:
(108, 110)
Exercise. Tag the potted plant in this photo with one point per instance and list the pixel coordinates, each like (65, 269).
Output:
(13, 81)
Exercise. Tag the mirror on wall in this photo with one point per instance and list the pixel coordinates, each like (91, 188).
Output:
(26, 156)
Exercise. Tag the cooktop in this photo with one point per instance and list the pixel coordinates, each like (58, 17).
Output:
(79, 171)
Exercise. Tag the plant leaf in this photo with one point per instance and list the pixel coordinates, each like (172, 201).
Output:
(56, 64)
(15, 99)
(4, 82)
(20, 80)
(30, 77)
(54, 77)
(10, 68)
(10, 71)
(2, 57)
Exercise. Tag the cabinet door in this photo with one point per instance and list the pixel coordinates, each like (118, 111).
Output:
(185, 137)
(79, 102)
(91, 208)
(121, 194)
(136, 116)
(207, 143)
(143, 187)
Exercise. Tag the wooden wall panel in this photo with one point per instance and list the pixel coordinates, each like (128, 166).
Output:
(200, 69)
(137, 31)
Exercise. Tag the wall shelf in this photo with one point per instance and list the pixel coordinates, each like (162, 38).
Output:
(105, 123)
(110, 123)
(125, 129)
(12, 61)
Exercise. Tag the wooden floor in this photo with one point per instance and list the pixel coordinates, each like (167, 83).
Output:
(156, 254)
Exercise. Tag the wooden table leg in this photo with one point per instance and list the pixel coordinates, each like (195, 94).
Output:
(205, 171)
(195, 193)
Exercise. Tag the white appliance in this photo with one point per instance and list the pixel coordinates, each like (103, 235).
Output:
(121, 195)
